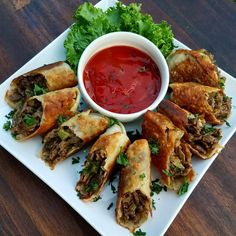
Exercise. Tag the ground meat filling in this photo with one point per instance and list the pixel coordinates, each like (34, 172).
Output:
(200, 138)
(26, 87)
(27, 120)
(221, 105)
(58, 143)
(92, 175)
(179, 165)
(134, 207)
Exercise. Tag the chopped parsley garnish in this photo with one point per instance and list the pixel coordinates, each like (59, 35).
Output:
(38, 90)
(133, 135)
(7, 125)
(154, 146)
(91, 167)
(208, 129)
(61, 119)
(10, 114)
(122, 159)
(156, 187)
(113, 188)
(221, 82)
(29, 120)
(75, 160)
(92, 186)
(110, 206)
(183, 188)
(142, 176)
(153, 204)
(167, 173)
(227, 123)
(63, 134)
(112, 121)
(97, 198)
(139, 233)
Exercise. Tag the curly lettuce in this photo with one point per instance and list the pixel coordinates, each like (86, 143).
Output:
(92, 22)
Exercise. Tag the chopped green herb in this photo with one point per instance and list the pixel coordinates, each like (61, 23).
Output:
(221, 82)
(227, 123)
(156, 187)
(225, 98)
(29, 120)
(134, 135)
(113, 188)
(110, 206)
(139, 233)
(61, 119)
(38, 90)
(13, 135)
(7, 125)
(63, 134)
(97, 198)
(142, 176)
(91, 167)
(92, 186)
(208, 129)
(154, 146)
(112, 121)
(10, 114)
(183, 188)
(75, 160)
(153, 204)
(193, 116)
(167, 173)
(122, 159)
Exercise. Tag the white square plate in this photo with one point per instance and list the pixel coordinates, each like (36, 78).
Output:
(63, 179)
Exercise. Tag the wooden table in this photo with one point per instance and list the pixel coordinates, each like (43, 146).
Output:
(27, 205)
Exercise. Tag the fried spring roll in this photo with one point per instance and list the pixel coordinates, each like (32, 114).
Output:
(133, 202)
(210, 102)
(202, 139)
(40, 113)
(173, 160)
(47, 78)
(71, 136)
(100, 162)
(194, 66)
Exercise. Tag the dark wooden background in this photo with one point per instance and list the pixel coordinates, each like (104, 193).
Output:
(27, 205)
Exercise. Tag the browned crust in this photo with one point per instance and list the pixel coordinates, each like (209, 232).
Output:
(198, 67)
(194, 98)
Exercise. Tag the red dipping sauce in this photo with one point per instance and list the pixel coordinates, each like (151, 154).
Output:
(122, 79)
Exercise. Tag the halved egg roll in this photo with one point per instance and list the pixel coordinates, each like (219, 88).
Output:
(100, 162)
(47, 78)
(194, 66)
(133, 201)
(71, 136)
(203, 140)
(173, 160)
(40, 113)
(210, 102)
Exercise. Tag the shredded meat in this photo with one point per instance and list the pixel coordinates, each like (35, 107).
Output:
(56, 148)
(32, 109)
(179, 165)
(221, 105)
(199, 139)
(92, 175)
(133, 206)
(25, 86)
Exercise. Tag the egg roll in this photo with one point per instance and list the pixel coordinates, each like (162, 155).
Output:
(100, 162)
(47, 78)
(71, 136)
(39, 114)
(210, 102)
(133, 201)
(173, 160)
(194, 66)
(203, 140)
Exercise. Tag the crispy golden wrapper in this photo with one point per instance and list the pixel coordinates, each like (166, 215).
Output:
(72, 135)
(100, 162)
(39, 114)
(133, 201)
(203, 142)
(50, 77)
(193, 66)
(174, 158)
(210, 102)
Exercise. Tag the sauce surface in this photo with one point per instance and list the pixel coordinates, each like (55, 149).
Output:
(122, 79)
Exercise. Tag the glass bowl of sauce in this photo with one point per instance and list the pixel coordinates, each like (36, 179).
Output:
(122, 75)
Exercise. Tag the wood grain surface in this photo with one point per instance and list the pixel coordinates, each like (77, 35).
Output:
(30, 207)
